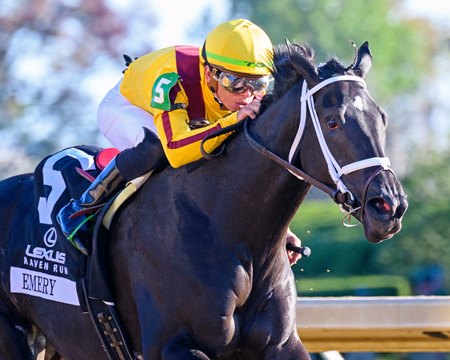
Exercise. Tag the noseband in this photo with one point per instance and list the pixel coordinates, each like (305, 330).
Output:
(340, 194)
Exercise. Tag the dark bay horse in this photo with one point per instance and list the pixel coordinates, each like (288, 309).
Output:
(198, 258)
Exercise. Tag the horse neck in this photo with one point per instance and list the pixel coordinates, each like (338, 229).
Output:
(269, 195)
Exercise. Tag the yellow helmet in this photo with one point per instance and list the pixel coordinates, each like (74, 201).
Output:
(239, 46)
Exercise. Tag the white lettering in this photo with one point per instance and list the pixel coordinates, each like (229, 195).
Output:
(47, 254)
(35, 263)
(59, 269)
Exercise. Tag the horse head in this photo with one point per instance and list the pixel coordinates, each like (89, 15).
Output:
(341, 137)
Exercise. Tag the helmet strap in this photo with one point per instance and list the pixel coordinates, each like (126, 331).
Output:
(212, 82)
(216, 98)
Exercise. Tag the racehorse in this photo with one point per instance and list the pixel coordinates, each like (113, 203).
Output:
(198, 257)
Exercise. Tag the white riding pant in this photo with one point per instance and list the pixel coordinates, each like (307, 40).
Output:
(121, 122)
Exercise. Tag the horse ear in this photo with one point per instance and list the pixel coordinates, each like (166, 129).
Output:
(363, 61)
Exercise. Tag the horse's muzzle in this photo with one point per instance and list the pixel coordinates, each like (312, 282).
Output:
(383, 206)
(383, 216)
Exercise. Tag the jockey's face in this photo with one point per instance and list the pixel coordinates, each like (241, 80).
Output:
(234, 101)
(231, 101)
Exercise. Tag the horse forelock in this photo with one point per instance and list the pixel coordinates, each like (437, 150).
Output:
(287, 59)
(331, 68)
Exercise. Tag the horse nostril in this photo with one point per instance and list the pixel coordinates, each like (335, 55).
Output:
(381, 205)
(401, 209)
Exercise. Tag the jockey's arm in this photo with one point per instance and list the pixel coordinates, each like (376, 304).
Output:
(181, 144)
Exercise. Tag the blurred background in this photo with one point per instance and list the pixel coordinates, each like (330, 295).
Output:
(59, 58)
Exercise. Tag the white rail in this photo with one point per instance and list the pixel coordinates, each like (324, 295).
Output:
(378, 324)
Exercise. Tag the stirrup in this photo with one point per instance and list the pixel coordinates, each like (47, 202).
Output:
(75, 241)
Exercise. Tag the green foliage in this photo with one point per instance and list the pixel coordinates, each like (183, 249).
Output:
(371, 285)
(328, 25)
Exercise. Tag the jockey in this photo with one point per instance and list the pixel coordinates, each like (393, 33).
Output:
(168, 101)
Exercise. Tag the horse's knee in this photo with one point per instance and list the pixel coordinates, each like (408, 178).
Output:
(182, 347)
(13, 342)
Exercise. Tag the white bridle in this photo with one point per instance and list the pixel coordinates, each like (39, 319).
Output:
(334, 169)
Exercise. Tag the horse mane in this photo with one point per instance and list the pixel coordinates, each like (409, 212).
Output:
(288, 59)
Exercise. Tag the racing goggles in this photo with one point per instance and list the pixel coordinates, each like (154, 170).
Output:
(236, 84)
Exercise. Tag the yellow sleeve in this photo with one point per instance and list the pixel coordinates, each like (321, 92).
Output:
(181, 144)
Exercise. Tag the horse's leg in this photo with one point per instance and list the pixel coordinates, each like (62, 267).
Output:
(13, 342)
(181, 347)
(271, 333)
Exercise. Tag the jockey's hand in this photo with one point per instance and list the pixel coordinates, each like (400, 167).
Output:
(293, 256)
(251, 109)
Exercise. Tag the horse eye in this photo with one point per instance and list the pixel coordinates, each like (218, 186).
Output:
(332, 124)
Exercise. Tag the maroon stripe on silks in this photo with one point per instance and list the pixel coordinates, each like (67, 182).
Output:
(174, 92)
(188, 67)
(167, 127)
(186, 141)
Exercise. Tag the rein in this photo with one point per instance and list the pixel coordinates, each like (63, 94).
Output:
(298, 173)
(225, 130)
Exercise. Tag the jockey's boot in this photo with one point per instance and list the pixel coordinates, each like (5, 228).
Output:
(73, 218)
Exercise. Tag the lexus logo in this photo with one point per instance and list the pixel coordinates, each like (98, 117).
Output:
(50, 237)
